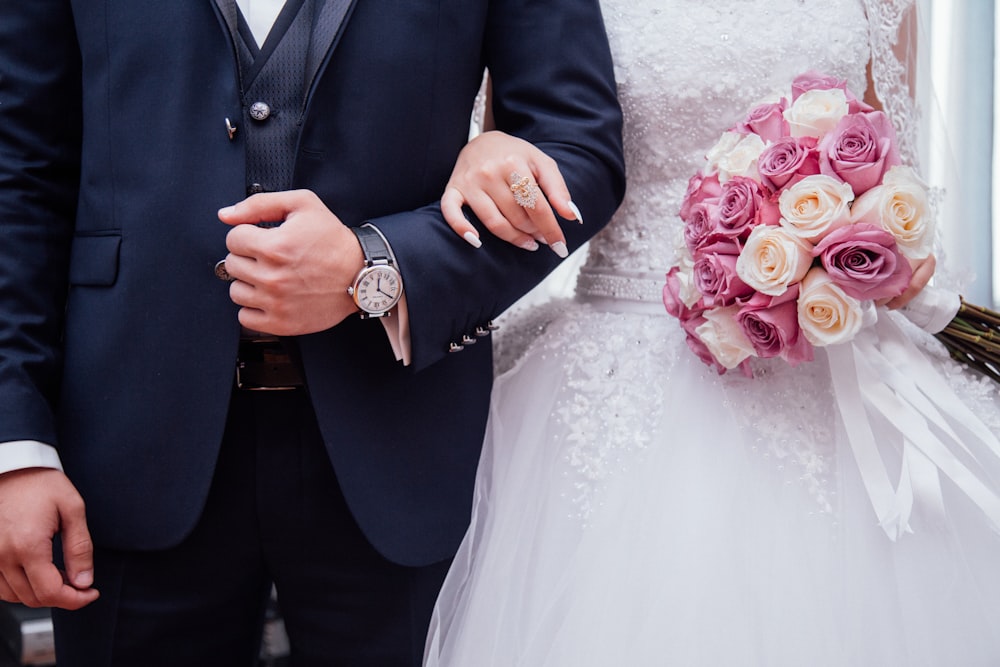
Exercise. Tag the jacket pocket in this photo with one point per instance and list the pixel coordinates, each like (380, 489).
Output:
(94, 259)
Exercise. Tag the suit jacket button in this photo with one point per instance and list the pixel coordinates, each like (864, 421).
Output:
(255, 188)
(260, 111)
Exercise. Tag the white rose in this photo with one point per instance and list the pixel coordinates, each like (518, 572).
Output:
(827, 315)
(726, 143)
(772, 259)
(723, 336)
(816, 112)
(900, 207)
(735, 154)
(689, 293)
(742, 159)
(815, 206)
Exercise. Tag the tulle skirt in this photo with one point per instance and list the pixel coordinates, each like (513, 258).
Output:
(634, 508)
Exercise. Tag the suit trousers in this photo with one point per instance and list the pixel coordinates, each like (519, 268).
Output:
(274, 513)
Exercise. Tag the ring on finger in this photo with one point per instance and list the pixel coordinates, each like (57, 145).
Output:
(525, 192)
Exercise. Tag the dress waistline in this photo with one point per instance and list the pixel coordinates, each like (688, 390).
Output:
(630, 285)
(632, 291)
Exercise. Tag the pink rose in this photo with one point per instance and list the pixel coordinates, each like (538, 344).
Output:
(815, 81)
(772, 326)
(701, 224)
(859, 150)
(864, 261)
(716, 278)
(743, 206)
(787, 161)
(766, 120)
(700, 188)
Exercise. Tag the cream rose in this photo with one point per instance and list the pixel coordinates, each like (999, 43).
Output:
(816, 112)
(815, 206)
(772, 259)
(827, 315)
(722, 335)
(900, 207)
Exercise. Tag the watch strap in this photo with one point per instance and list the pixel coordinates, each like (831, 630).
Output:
(373, 245)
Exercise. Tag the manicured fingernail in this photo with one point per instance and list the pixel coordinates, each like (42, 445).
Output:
(472, 239)
(560, 249)
(576, 211)
(529, 245)
(228, 210)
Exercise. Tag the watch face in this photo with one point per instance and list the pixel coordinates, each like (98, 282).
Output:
(377, 289)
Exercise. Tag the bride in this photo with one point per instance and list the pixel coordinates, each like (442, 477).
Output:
(633, 507)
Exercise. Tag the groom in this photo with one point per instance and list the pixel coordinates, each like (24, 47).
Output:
(196, 408)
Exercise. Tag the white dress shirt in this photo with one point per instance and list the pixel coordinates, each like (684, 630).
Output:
(260, 15)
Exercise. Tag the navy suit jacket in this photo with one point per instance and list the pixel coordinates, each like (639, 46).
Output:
(117, 343)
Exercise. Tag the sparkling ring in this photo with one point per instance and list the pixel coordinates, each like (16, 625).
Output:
(525, 192)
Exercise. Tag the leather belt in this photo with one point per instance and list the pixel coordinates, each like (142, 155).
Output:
(268, 364)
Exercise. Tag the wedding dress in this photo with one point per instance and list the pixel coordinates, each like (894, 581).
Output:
(634, 508)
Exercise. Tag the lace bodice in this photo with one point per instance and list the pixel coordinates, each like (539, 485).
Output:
(687, 70)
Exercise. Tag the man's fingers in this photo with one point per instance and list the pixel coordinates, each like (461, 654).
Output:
(77, 546)
(266, 207)
(49, 589)
(21, 588)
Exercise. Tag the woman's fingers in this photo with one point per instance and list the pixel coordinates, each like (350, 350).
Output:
(923, 270)
(513, 188)
(451, 207)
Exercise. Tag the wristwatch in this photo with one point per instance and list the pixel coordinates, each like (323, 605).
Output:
(378, 286)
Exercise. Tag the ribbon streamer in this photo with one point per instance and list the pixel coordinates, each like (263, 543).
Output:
(883, 383)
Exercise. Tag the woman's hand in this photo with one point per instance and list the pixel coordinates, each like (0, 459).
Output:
(489, 177)
(923, 269)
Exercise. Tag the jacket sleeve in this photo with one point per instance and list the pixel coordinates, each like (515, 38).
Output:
(40, 128)
(553, 85)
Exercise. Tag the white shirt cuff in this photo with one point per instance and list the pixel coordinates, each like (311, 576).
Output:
(397, 328)
(21, 454)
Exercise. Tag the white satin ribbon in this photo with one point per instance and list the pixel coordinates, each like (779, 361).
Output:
(884, 383)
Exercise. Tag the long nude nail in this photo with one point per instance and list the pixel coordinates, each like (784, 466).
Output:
(472, 239)
(560, 249)
(576, 211)
(531, 245)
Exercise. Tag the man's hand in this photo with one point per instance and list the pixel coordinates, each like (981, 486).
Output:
(291, 279)
(35, 504)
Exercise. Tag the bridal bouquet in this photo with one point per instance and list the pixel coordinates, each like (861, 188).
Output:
(801, 220)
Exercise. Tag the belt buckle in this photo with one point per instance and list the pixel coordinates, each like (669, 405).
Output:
(265, 364)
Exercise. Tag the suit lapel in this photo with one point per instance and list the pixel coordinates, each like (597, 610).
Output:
(227, 9)
(330, 17)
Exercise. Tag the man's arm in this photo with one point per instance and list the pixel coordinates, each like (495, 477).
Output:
(553, 86)
(39, 174)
